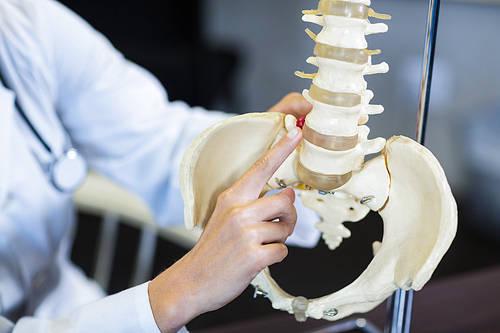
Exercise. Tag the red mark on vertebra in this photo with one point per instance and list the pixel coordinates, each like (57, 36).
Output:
(301, 122)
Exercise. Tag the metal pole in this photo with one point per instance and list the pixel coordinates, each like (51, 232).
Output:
(399, 312)
(400, 305)
(428, 65)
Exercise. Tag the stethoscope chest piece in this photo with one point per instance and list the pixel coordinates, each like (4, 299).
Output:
(68, 172)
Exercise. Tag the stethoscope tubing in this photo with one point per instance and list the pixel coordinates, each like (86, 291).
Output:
(62, 179)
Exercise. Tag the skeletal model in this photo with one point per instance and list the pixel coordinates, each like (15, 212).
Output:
(405, 184)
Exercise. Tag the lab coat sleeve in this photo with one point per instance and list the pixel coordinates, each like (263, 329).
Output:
(118, 114)
(125, 312)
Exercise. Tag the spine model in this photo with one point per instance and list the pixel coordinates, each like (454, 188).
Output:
(405, 184)
(336, 139)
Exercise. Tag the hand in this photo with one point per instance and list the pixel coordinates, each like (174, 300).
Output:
(239, 241)
(294, 104)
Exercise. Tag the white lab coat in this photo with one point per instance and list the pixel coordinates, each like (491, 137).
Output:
(79, 91)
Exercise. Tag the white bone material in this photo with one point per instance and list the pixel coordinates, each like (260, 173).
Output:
(334, 209)
(341, 121)
(340, 76)
(344, 32)
(405, 183)
(419, 211)
(219, 156)
(329, 162)
(420, 221)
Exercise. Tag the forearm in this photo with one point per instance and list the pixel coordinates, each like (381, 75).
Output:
(125, 312)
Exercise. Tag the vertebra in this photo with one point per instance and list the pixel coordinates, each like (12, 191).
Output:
(339, 95)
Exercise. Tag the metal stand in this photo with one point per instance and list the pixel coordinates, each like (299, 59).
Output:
(400, 304)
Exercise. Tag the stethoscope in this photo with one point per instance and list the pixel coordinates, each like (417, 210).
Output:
(65, 172)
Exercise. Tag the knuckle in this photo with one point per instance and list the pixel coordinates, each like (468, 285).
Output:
(284, 200)
(240, 214)
(261, 258)
(252, 235)
(283, 239)
(238, 218)
(235, 214)
(284, 232)
(284, 204)
(283, 252)
(263, 261)
(224, 197)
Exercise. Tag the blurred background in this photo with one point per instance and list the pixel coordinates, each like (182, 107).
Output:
(239, 56)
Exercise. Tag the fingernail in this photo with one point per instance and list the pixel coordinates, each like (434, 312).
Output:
(293, 133)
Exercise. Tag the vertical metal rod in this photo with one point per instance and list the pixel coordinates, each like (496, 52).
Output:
(399, 312)
(400, 305)
(428, 65)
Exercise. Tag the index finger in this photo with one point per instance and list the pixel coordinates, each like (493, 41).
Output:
(250, 185)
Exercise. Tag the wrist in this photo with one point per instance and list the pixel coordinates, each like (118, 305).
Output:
(171, 300)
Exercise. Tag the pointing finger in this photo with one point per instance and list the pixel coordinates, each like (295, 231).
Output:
(250, 185)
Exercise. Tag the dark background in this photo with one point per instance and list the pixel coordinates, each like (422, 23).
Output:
(166, 37)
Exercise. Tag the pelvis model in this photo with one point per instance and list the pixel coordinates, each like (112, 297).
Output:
(405, 184)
